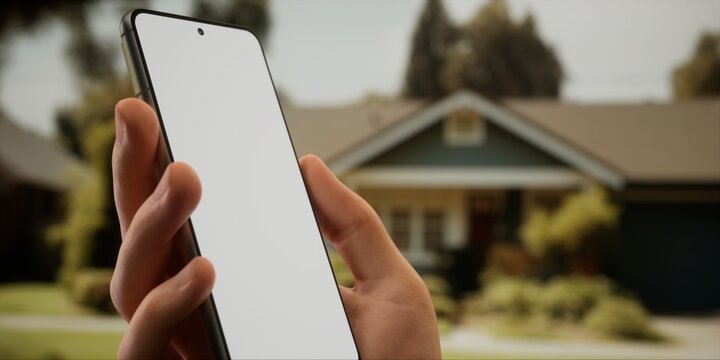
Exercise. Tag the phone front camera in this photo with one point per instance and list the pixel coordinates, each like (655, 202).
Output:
(201, 31)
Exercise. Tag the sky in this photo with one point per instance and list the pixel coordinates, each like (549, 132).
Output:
(333, 52)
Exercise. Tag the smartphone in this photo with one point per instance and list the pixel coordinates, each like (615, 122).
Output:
(275, 294)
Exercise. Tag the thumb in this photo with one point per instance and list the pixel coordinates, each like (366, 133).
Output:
(351, 224)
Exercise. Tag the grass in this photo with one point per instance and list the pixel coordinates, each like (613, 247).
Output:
(38, 299)
(58, 344)
(50, 299)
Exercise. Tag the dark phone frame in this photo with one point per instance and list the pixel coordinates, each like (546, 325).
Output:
(142, 85)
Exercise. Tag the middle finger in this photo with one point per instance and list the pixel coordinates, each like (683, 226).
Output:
(145, 250)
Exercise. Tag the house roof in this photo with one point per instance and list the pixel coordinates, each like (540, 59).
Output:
(26, 157)
(669, 143)
(329, 131)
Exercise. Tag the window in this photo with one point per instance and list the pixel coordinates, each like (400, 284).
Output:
(400, 222)
(464, 128)
(434, 223)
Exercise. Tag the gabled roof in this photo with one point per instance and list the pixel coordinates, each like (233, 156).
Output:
(613, 143)
(672, 142)
(28, 158)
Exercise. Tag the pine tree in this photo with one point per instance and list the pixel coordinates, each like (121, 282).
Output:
(433, 36)
(700, 75)
(498, 57)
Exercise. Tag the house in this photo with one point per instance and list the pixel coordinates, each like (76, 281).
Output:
(34, 173)
(463, 172)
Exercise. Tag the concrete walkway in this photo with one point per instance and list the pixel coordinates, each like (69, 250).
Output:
(694, 338)
(85, 323)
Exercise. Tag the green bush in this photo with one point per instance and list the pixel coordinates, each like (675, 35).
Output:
(510, 296)
(343, 275)
(570, 226)
(571, 297)
(91, 288)
(445, 306)
(622, 317)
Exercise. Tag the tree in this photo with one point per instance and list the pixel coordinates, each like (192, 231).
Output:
(497, 57)
(700, 75)
(91, 59)
(90, 232)
(433, 37)
(21, 15)
(572, 232)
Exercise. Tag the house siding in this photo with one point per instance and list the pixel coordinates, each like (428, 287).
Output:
(501, 148)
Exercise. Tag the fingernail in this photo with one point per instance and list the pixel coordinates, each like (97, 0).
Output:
(186, 275)
(119, 128)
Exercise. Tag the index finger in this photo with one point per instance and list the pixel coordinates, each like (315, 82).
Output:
(137, 133)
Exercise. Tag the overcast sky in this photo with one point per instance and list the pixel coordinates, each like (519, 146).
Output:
(334, 52)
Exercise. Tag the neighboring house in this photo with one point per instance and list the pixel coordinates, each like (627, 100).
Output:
(463, 172)
(34, 173)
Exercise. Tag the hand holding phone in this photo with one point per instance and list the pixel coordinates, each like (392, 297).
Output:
(389, 309)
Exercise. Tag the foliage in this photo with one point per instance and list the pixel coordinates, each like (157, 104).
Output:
(343, 276)
(700, 75)
(28, 15)
(90, 232)
(76, 232)
(491, 54)
(512, 296)
(567, 229)
(590, 302)
(91, 59)
(571, 297)
(620, 317)
(445, 306)
(91, 288)
(38, 299)
(431, 41)
(251, 14)
(498, 57)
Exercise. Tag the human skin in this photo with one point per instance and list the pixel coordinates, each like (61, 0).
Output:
(389, 308)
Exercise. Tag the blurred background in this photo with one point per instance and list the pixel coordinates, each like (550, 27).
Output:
(552, 169)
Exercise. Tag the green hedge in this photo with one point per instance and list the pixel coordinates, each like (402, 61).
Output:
(91, 288)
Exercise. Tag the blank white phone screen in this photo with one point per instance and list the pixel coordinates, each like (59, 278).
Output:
(274, 291)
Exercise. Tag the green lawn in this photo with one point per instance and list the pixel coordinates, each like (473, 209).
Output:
(37, 298)
(49, 299)
(34, 344)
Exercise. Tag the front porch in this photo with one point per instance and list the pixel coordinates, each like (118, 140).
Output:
(434, 211)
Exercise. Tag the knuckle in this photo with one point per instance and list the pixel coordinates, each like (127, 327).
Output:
(118, 297)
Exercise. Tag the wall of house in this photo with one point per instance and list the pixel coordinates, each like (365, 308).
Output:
(500, 148)
(452, 203)
(25, 254)
(669, 249)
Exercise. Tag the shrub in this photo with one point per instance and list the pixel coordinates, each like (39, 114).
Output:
(343, 276)
(571, 297)
(436, 285)
(617, 316)
(511, 296)
(91, 288)
(567, 228)
(445, 306)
